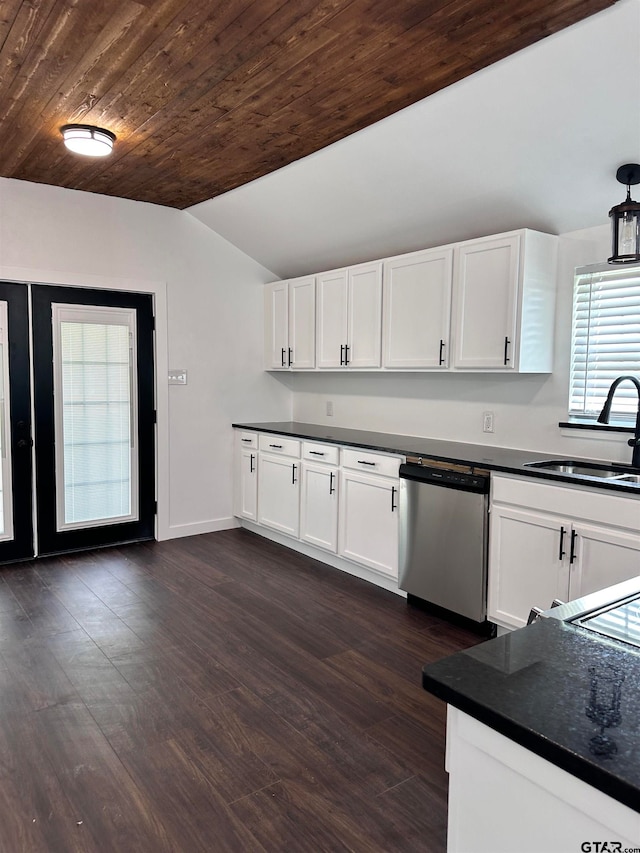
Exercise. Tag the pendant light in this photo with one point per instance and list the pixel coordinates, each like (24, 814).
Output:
(88, 140)
(625, 220)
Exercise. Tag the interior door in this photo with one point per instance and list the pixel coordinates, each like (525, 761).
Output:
(94, 417)
(16, 522)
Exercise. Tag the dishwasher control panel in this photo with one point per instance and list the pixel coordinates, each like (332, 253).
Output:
(443, 477)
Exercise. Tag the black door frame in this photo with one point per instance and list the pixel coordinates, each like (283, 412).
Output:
(19, 441)
(50, 540)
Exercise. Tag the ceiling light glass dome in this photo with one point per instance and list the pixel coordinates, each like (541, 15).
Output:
(88, 140)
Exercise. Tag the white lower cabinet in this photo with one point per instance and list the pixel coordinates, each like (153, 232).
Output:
(279, 493)
(503, 798)
(342, 501)
(369, 521)
(548, 541)
(246, 476)
(319, 505)
(604, 556)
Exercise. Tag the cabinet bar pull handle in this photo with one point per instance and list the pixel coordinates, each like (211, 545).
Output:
(283, 352)
(316, 453)
(331, 486)
(561, 552)
(573, 555)
(506, 350)
(290, 356)
(293, 474)
(364, 462)
(341, 355)
(441, 356)
(277, 446)
(346, 354)
(394, 506)
(246, 439)
(251, 458)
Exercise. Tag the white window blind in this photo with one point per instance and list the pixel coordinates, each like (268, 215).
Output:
(95, 411)
(605, 342)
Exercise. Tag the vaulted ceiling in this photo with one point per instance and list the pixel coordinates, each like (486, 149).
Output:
(207, 95)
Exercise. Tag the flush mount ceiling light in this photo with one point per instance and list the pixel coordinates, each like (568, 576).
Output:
(625, 220)
(88, 140)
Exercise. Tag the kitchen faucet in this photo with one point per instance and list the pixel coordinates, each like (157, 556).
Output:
(603, 417)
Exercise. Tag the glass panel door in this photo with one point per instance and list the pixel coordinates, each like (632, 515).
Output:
(94, 417)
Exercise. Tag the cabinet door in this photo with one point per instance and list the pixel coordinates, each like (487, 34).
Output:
(319, 506)
(331, 318)
(603, 557)
(417, 310)
(279, 493)
(302, 323)
(365, 316)
(368, 531)
(276, 326)
(526, 567)
(247, 487)
(485, 303)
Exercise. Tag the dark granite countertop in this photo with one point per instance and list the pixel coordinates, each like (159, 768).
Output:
(476, 456)
(533, 686)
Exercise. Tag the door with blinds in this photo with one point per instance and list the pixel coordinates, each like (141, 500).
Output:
(93, 417)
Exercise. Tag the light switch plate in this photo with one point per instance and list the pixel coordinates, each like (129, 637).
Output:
(178, 376)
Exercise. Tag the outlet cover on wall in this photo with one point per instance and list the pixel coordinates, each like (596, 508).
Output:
(329, 409)
(487, 422)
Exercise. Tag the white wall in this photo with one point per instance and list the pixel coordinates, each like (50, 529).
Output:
(449, 406)
(213, 324)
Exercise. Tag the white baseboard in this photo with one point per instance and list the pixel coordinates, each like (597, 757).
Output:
(334, 560)
(177, 531)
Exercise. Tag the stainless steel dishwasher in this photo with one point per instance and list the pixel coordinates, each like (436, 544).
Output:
(443, 518)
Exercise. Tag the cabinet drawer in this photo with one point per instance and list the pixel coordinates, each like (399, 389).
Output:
(329, 453)
(279, 444)
(374, 463)
(247, 439)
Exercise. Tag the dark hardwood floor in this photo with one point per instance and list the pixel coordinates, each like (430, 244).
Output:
(216, 693)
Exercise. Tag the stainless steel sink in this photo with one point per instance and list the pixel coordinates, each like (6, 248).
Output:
(582, 469)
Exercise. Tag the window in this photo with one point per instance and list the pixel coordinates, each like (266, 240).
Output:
(94, 385)
(605, 341)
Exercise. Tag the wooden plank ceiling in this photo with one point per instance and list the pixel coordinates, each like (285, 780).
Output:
(207, 95)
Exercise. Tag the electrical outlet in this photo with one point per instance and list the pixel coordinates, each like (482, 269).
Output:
(487, 422)
(329, 409)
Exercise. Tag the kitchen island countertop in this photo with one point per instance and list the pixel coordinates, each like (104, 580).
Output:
(534, 686)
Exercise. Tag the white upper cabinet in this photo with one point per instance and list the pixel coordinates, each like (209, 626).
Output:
(504, 303)
(302, 323)
(485, 304)
(290, 324)
(417, 310)
(349, 317)
(331, 318)
(365, 315)
(276, 326)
